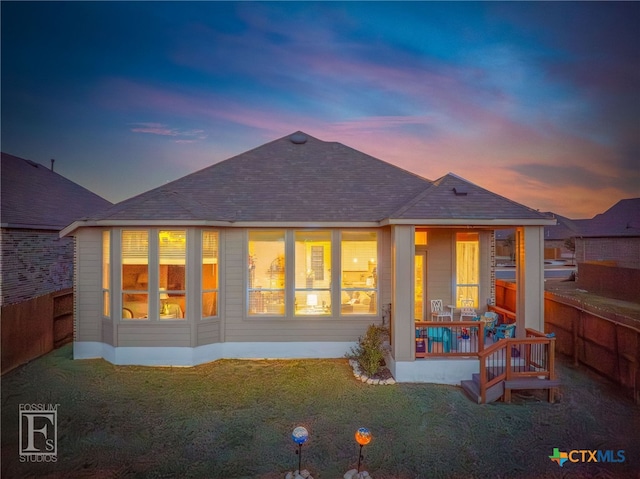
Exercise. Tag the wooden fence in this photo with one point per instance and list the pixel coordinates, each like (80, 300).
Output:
(35, 327)
(604, 341)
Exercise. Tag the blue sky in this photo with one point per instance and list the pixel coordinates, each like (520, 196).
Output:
(539, 102)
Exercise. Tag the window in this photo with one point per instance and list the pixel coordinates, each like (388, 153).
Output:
(172, 249)
(135, 274)
(313, 272)
(267, 272)
(359, 279)
(421, 237)
(209, 274)
(467, 268)
(106, 273)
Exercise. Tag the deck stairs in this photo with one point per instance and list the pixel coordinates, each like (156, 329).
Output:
(514, 364)
(471, 387)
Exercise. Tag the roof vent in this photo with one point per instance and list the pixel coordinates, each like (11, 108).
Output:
(460, 191)
(298, 138)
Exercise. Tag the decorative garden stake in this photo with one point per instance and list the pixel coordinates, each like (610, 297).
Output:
(300, 436)
(363, 437)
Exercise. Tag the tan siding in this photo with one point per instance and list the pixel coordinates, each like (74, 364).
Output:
(209, 332)
(88, 288)
(107, 331)
(234, 278)
(440, 266)
(270, 330)
(154, 334)
(384, 266)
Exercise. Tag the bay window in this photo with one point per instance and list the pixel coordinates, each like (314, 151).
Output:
(467, 268)
(210, 273)
(172, 255)
(135, 274)
(106, 274)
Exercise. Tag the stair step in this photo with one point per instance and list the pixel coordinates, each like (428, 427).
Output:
(471, 389)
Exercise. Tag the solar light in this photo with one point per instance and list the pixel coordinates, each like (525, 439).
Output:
(300, 436)
(363, 437)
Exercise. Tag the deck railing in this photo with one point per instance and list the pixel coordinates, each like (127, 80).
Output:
(512, 359)
(448, 338)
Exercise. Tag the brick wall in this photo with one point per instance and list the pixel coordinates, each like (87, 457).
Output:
(624, 251)
(34, 263)
(609, 280)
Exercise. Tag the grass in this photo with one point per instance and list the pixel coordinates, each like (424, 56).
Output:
(233, 419)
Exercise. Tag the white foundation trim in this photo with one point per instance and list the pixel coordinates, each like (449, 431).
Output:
(437, 371)
(180, 356)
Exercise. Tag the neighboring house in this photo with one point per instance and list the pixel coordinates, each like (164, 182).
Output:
(36, 204)
(612, 236)
(555, 238)
(291, 250)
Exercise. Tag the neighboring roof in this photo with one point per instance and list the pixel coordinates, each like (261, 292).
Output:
(35, 197)
(565, 228)
(622, 219)
(301, 179)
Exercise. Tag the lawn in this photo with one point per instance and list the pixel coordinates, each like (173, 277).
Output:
(233, 419)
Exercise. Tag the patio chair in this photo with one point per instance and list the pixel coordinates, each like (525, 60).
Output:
(467, 310)
(505, 331)
(438, 313)
(490, 319)
(439, 335)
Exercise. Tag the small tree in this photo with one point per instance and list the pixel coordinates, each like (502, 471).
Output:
(570, 244)
(369, 352)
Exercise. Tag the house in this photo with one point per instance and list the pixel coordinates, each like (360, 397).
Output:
(36, 262)
(291, 250)
(608, 252)
(612, 236)
(555, 240)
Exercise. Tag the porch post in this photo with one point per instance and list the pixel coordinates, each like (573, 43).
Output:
(402, 251)
(529, 279)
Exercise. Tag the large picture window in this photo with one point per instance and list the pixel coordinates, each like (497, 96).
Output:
(467, 268)
(313, 272)
(210, 267)
(359, 274)
(172, 255)
(135, 274)
(267, 279)
(308, 256)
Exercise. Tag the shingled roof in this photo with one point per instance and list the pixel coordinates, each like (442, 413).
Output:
(35, 197)
(301, 179)
(622, 219)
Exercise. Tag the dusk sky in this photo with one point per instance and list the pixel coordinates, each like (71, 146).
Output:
(539, 102)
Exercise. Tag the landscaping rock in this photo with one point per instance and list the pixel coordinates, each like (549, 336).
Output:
(304, 474)
(353, 474)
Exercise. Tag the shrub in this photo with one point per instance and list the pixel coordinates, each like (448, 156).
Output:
(369, 352)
